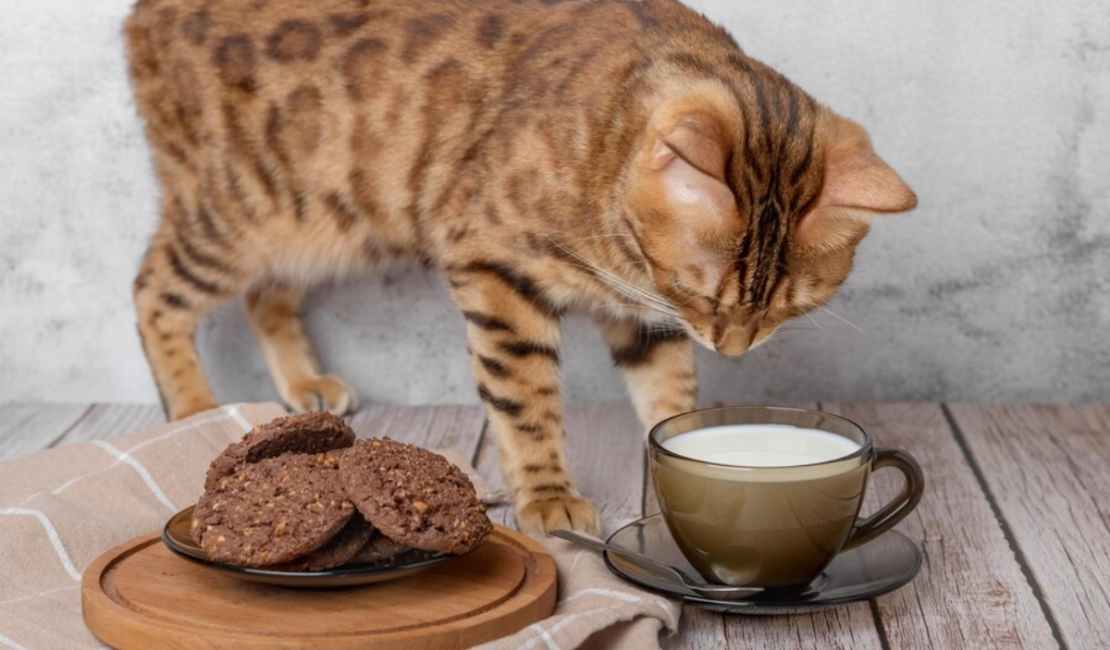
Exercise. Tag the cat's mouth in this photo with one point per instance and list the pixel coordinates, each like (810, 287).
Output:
(732, 347)
(726, 337)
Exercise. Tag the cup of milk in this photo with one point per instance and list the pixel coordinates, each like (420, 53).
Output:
(767, 496)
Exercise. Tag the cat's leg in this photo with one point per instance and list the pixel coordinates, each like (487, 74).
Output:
(178, 285)
(273, 311)
(658, 366)
(514, 348)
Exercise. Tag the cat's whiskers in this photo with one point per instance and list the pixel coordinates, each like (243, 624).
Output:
(686, 303)
(627, 305)
(637, 263)
(791, 335)
(842, 319)
(631, 292)
(627, 289)
(611, 235)
(812, 303)
(774, 347)
(620, 285)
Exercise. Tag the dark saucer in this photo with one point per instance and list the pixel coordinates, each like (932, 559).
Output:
(177, 538)
(878, 567)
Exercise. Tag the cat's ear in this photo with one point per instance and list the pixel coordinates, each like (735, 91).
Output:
(690, 161)
(685, 207)
(858, 186)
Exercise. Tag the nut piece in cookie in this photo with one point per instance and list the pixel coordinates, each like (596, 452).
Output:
(414, 496)
(273, 511)
(339, 550)
(308, 433)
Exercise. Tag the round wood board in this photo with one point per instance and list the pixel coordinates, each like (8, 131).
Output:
(140, 596)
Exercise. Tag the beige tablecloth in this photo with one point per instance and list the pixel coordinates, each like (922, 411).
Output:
(62, 508)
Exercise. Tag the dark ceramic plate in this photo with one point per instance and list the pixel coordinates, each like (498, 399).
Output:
(176, 537)
(878, 567)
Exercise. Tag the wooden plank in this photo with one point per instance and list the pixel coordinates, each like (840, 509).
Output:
(27, 428)
(971, 592)
(605, 448)
(700, 629)
(428, 426)
(850, 627)
(486, 463)
(1048, 470)
(108, 420)
(433, 427)
(605, 452)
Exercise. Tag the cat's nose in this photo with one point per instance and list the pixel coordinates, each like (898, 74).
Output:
(733, 340)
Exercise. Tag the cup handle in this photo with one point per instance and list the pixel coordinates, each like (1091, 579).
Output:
(871, 527)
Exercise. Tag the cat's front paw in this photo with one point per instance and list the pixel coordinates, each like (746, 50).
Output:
(538, 518)
(327, 393)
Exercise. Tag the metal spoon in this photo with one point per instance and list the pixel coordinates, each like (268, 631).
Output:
(715, 592)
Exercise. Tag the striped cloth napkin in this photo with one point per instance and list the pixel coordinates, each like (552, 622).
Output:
(60, 509)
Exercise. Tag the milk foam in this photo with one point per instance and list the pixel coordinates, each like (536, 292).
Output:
(761, 445)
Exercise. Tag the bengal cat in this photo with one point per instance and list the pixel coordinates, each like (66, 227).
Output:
(621, 157)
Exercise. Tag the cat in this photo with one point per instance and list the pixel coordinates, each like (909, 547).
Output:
(621, 157)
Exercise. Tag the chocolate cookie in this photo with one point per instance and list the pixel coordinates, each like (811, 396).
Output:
(273, 511)
(308, 433)
(414, 496)
(341, 549)
(377, 549)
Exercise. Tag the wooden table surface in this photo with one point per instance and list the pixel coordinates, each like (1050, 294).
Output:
(1015, 522)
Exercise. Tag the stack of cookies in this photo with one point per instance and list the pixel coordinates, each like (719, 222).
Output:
(301, 494)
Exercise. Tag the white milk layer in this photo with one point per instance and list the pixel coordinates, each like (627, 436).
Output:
(761, 445)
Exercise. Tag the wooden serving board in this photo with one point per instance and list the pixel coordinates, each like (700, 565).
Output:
(140, 596)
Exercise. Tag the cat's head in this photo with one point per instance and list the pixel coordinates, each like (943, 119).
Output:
(749, 212)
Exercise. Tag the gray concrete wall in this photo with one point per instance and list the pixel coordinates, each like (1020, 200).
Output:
(997, 112)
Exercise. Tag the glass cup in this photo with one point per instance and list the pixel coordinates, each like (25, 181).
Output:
(773, 526)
